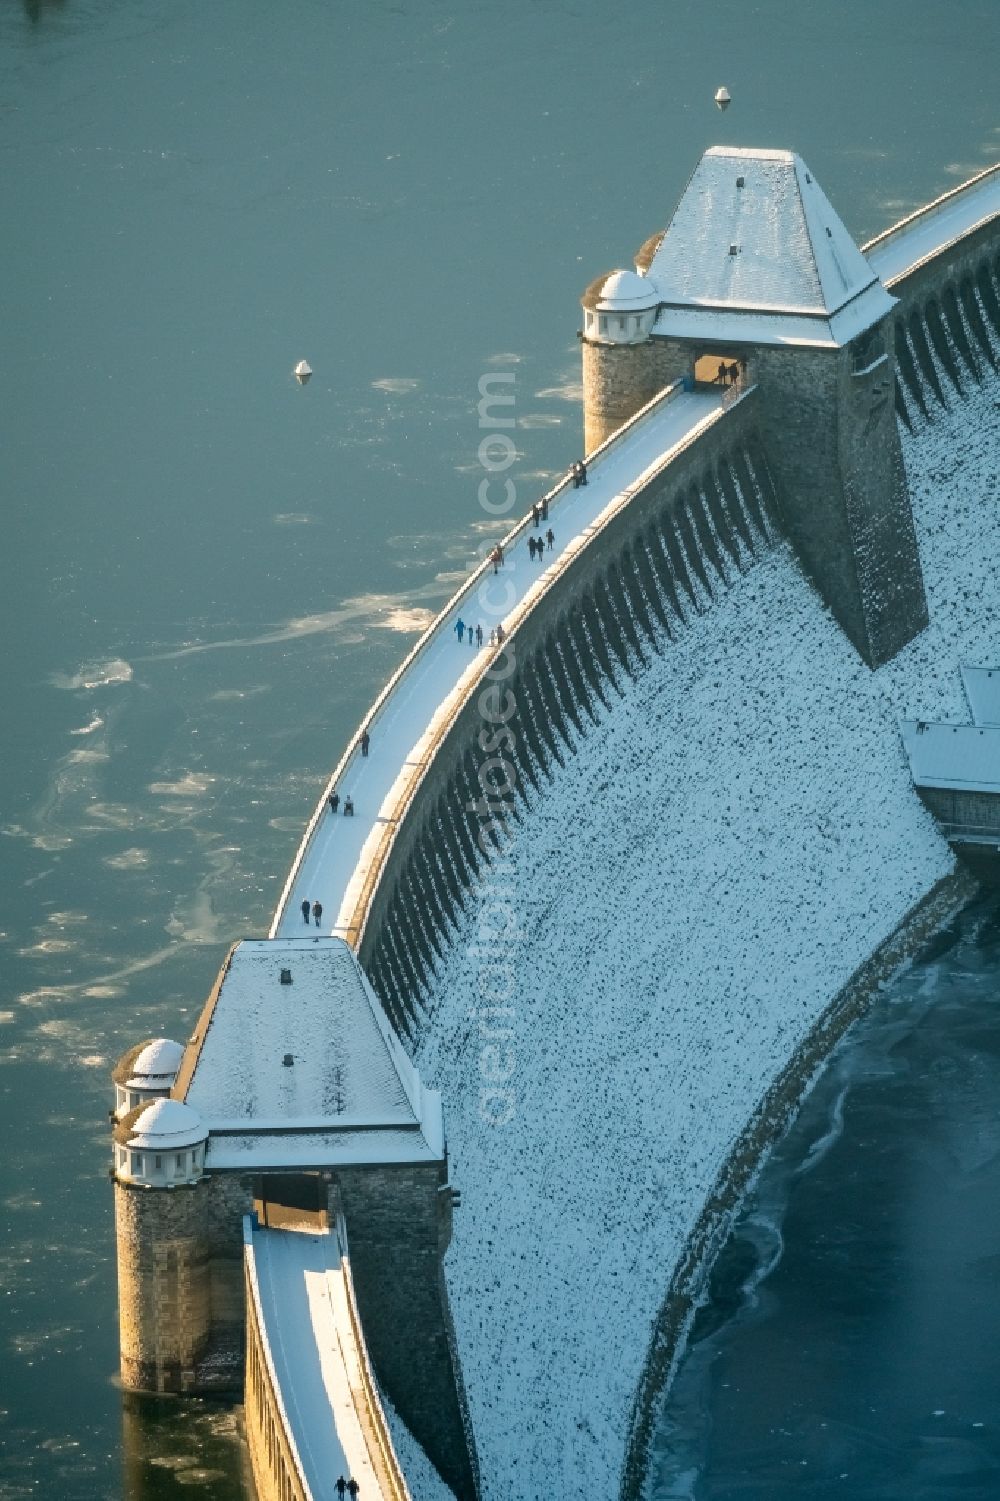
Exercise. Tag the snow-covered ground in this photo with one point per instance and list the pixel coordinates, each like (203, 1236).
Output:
(683, 901)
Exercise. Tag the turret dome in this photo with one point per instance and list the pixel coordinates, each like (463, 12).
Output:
(161, 1124)
(160, 1143)
(159, 1059)
(147, 1071)
(620, 291)
(619, 308)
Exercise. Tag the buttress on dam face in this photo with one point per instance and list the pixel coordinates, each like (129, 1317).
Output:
(616, 876)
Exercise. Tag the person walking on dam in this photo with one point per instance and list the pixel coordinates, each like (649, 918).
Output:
(479, 635)
(317, 911)
(334, 801)
(366, 741)
(550, 538)
(460, 628)
(305, 909)
(348, 806)
(535, 514)
(341, 1487)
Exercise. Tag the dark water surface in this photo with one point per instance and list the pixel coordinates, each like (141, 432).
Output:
(209, 571)
(849, 1344)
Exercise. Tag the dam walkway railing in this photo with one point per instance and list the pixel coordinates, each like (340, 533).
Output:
(340, 857)
(313, 1410)
(926, 234)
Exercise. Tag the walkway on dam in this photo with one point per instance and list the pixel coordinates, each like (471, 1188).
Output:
(935, 227)
(305, 1307)
(329, 865)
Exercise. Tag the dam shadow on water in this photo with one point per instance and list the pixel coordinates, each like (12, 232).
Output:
(847, 1343)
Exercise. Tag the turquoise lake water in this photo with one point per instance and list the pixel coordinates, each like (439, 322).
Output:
(210, 571)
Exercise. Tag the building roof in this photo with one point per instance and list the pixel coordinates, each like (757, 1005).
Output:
(160, 1126)
(982, 689)
(283, 1069)
(620, 291)
(644, 255)
(155, 1063)
(754, 233)
(956, 757)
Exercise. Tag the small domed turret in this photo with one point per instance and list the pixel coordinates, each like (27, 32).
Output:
(619, 308)
(145, 1072)
(159, 1144)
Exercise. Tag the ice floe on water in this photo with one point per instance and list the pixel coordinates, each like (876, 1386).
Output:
(192, 784)
(396, 385)
(131, 859)
(95, 675)
(88, 729)
(570, 389)
(406, 622)
(719, 856)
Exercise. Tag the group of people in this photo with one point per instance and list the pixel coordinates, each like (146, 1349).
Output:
(496, 557)
(474, 633)
(316, 908)
(728, 374)
(578, 474)
(334, 801)
(536, 545)
(350, 1486)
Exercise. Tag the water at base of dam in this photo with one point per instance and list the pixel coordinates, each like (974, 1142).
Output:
(847, 1344)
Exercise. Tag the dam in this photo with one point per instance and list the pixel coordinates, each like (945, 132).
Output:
(702, 678)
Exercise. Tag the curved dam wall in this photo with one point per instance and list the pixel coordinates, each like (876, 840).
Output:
(943, 264)
(628, 591)
(670, 546)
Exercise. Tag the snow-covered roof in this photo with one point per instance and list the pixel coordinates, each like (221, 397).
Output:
(269, 1147)
(289, 1067)
(755, 234)
(955, 757)
(161, 1126)
(158, 1061)
(620, 291)
(982, 689)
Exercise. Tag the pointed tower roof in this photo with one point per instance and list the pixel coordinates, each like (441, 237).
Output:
(755, 251)
(294, 1063)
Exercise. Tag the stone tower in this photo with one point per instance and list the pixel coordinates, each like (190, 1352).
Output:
(161, 1226)
(756, 271)
(292, 1092)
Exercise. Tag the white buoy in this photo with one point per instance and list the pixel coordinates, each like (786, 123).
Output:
(302, 372)
(723, 98)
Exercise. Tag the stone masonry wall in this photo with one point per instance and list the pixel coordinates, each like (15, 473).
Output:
(398, 1220)
(832, 440)
(618, 379)
(164, 1305)
(946, 328)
